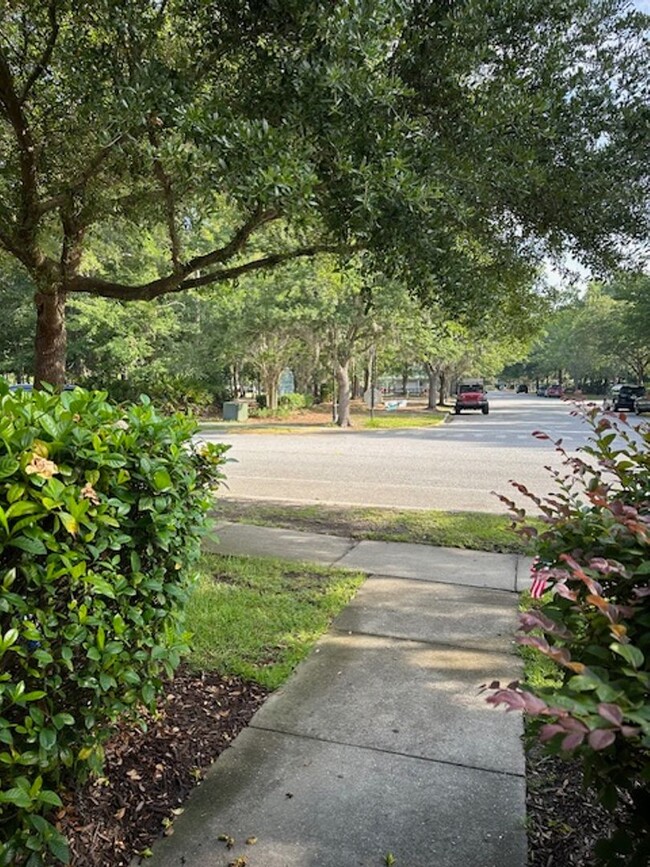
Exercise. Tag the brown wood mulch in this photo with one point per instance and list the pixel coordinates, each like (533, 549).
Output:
(148, 774)
(565, 819)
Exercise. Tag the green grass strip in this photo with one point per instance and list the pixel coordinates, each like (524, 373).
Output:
(404, 420)
(540, 672)
(258, 617)
(479, 531)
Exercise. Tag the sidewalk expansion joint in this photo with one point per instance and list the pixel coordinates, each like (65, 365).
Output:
(431, 643)
(380, 576)
(509, 774)
(354, 546)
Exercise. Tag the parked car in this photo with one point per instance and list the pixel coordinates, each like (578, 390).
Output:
(471, 395)
(642, 404)
(522, 388)
(623, 395)
(554, 390)
(541, 391)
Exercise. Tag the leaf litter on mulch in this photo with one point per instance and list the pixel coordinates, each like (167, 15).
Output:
(148, 774)
(564, 817)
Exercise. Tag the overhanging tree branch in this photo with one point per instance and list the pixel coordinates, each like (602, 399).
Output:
(28, 215)
(257, 219)
(265, 262)
(80, 180)
(171, 283)
(167, 191)
(41, 65)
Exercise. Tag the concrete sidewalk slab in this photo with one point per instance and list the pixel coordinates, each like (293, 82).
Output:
(380, 741)
(400, 696)
(524, 578)
(315, 804)
(469, 617)
(249, 540)
(426, 563)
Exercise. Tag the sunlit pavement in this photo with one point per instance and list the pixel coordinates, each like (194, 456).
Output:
(456, 466)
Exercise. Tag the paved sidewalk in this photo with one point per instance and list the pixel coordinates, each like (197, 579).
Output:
(379, 744)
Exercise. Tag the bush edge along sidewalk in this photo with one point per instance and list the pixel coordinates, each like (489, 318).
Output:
(380, 743)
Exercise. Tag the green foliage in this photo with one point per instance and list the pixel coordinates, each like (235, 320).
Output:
(101, 514)
(295, 400)
(19, 316)
(457, 143)
(128, 349)
(598, 337)
(595, 625)
(173, 394)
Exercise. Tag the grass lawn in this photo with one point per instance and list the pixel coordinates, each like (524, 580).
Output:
(399, 419)
(258, 617)
(477, 530)
(318, 417)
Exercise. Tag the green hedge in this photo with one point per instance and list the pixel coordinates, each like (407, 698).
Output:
(101, 513)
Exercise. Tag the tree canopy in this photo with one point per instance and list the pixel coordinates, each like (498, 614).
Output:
(455, 142)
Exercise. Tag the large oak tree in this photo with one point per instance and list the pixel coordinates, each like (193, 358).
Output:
(437, 135)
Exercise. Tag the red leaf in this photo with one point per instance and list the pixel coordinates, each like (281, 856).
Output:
(629, 731)
(533, 705)
(513, 699)
(602, 565)
(534, 641)
(572, 741)
(611, 713)
(600, 739)
(571, 724)
(563, 590)
(549, 731)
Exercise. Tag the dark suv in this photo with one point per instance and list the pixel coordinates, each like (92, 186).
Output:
(622, 396)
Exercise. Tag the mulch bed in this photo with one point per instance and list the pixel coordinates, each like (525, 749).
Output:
(150, 773)
(564, 818)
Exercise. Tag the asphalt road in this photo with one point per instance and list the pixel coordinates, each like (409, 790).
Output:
(455, 466)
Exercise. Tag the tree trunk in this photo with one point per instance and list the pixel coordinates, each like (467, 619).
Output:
(343, 382)
(366, 378)
(271, 387)
(432, 373)
(443, 387)
(405, 380)
(51, 339)
(316, 388)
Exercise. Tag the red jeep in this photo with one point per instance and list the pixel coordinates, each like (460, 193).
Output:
(471, 395)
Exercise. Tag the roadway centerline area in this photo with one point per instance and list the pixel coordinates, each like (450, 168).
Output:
(456, 466)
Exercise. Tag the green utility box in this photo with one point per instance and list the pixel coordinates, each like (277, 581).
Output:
(235, 410)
